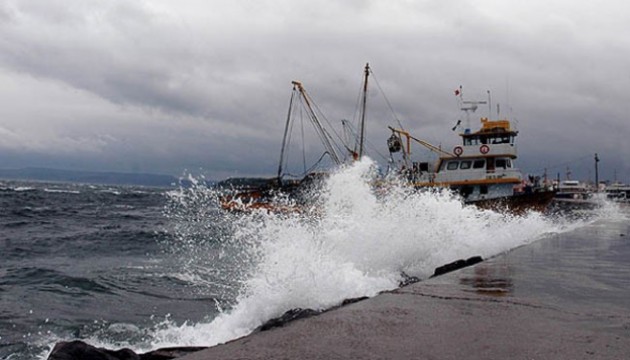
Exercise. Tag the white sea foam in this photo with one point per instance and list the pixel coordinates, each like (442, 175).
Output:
(61, 191)
(358, 245)
(24, 188)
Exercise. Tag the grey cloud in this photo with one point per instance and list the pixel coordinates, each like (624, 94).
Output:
(186, 82)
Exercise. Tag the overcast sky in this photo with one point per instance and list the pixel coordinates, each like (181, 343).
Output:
(166, 86)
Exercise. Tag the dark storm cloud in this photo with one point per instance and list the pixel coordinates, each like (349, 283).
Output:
(206, 84)
(121, 52)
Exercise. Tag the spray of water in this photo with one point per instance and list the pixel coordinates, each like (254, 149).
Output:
(358, 244)
(356, 240)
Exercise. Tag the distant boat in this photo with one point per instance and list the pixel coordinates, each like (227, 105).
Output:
(573, 190)
(576, 195)
(481, 169)
(618, 193)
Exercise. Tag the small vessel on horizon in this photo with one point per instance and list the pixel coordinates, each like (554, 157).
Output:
(618, 192)
(572, 195)
(573, 191)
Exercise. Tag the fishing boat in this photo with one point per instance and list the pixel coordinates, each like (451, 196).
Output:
(481, 169)
(293, 193)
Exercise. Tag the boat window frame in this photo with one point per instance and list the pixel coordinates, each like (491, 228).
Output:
(468, 166)
(449, 167)
(473, 140)
(479, 164)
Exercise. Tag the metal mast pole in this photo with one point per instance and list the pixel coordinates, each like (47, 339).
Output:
(318, 126)
(363, 110)
(596, 173)
(286, 131)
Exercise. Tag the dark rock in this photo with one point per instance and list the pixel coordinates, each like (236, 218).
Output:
(456, 265)
(170, 353)
(353, 300)
(474, 260)
(287, 317)
(407, 280)
(78, 350)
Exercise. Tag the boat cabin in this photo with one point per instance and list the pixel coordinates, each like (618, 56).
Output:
(482, 167)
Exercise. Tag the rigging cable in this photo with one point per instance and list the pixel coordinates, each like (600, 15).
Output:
(309, 170)
(303, 141)
(387, 100)
(290, 137)
(284, 138)
(323, 133)
(332, 128)
(356, 117)
(369, 143)
(317, 163)
(293, 111)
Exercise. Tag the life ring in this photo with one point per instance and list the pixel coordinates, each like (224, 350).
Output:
(484, 149)
(458, 150)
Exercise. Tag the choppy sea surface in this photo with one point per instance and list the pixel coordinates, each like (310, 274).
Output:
(146, 268)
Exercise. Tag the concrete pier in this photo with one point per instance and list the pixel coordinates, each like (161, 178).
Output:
(549, 300)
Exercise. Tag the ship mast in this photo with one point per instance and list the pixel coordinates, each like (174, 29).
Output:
(323, 135)
(286, 131)
(363, 111)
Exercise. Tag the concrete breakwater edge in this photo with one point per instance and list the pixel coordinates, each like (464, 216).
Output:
(563, 297)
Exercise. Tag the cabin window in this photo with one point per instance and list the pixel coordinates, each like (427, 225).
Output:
(501, 140)
(508, 162)
(500, 164)
(465, 164)
(424, 166)
(479, 164)
(483, 189)
(471, 141)
(452, 165)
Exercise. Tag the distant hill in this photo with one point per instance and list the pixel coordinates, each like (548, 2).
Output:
(88, 177)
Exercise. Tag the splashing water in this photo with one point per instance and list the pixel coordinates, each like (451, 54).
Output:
(358, 245)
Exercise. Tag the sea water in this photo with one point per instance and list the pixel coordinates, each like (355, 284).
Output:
(148, 268)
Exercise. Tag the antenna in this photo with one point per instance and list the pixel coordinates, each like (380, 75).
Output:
(489, 105)
(596, 173)
(468, 107)
(363, 110)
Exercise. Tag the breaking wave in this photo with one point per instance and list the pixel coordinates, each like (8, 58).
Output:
(358, 244)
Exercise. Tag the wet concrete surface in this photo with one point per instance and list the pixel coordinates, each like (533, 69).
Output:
(564, 297)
